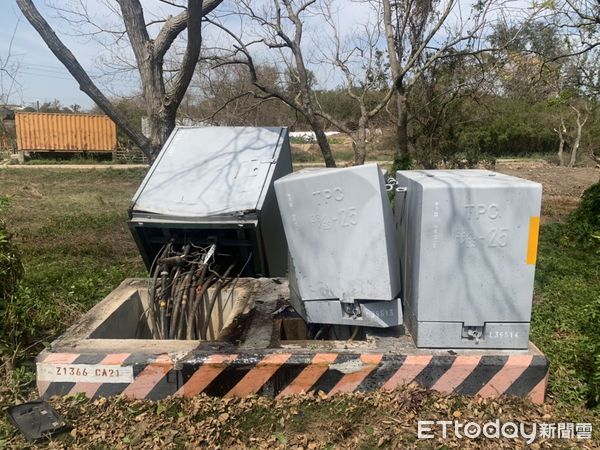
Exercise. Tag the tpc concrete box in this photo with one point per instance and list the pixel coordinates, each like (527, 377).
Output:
(468, 244)
(344, 266)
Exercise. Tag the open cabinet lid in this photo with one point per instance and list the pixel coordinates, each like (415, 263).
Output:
(210, 171)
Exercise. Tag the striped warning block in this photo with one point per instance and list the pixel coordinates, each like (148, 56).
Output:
(285, 373)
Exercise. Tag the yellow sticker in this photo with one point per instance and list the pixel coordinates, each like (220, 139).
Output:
(532, 242)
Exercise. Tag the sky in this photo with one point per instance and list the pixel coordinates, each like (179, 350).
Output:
(43, 78)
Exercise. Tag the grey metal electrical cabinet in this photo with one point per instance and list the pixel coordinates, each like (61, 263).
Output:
(344, 266)
(468, 243)
(215, 184)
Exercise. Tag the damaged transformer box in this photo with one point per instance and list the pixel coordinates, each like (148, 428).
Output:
(214, 185)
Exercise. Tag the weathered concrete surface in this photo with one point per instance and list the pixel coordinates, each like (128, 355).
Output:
(257, 361)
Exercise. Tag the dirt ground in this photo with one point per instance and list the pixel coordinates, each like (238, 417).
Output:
(386, 420)
(562, 186)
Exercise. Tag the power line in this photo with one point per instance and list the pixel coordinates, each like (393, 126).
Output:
(44, 68)
(43, 75)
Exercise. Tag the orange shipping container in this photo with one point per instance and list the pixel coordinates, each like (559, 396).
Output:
(58, 132)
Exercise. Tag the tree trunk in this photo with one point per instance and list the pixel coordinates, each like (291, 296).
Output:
(360, 143)
(403, 154)
(67, 58)
(161, 124)
(561, 147)
(322, 142)
(575, 148)
(161, 119)
(149, 53)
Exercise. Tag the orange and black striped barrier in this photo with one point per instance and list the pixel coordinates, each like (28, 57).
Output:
(286, 372)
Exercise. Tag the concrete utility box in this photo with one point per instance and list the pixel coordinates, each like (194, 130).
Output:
(344, 265)
(468, 242)
(215, 184)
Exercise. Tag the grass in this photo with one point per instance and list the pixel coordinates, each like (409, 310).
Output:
(65, 158)
(341, 155)
(380, 149)
(70, 227)
(566, 314)
(68, 161)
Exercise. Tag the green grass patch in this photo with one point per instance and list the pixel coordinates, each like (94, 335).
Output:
(566, 315)
(341, 156)
(11, 269)
(70, 227)
(258, 417)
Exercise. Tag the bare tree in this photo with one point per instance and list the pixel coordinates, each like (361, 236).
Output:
(570, 137)
(579, 18)
(161, 99)
(524, 67)
(579, 24)
(580, 121)
(230, 98)
(9, 68)
(420, 32)
(281, 30)
(562, 139)
(360, 61)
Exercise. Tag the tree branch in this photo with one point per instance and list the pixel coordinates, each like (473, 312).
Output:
(135, 25)
(67, 58)
(190, 57)
(249, 63)
(225, 105)
(175, 26)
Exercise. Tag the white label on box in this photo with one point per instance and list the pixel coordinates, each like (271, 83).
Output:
(87, 373)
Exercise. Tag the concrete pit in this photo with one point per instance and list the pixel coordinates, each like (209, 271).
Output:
(258, 345)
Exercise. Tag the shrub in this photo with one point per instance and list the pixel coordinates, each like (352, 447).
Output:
(565, 323)
(585, 220)
(11, 272)
(11, 269)
(404, 162)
